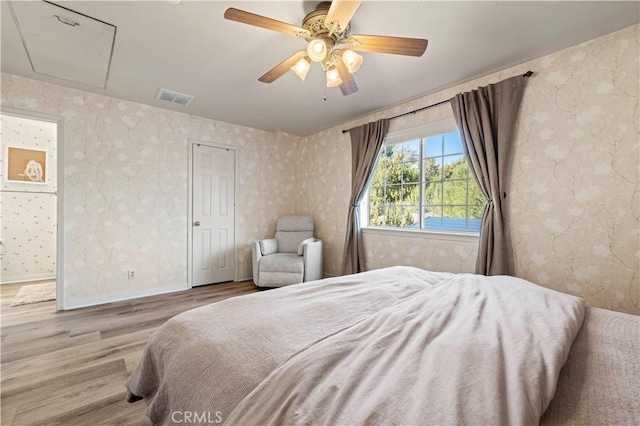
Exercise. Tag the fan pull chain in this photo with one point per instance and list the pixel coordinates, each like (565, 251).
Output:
(325, 93)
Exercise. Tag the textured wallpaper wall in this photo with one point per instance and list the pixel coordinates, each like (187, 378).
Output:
(126, 187)
(28, 236)
(27, 210)
(574, 196)
(574, 202)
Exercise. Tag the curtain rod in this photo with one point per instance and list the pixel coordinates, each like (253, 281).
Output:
(527, 74)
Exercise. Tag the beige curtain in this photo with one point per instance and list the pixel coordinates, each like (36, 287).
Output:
(366, 142)
(486, 120)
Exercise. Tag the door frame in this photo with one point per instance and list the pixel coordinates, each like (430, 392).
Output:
(32, 115)
(190, 144)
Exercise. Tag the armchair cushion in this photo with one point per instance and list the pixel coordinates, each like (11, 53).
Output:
(281, 269)
(291, 231)
(302, 243)
(294, 223)
(268, 246)
(288, 241)
(282, 262)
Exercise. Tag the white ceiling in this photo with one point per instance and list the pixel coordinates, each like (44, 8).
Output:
(189, 47)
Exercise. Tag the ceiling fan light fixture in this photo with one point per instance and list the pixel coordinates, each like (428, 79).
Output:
(352, 60)
(326, 31)
(333, 78)
(301, 68)
(317, 50)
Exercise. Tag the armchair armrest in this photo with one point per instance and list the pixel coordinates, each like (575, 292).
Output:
(268, 246)
(261, 248)
(256, 254)
(312, 253)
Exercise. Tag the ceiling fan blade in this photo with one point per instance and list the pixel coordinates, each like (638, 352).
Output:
(238, 15)
(348, 85)
(340, 14)
(281, 69)
(383, 44)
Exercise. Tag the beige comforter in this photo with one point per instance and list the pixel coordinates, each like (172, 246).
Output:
(394, 346)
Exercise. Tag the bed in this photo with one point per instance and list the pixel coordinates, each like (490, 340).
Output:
(394, 346)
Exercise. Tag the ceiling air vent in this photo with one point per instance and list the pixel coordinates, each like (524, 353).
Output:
(174, 97)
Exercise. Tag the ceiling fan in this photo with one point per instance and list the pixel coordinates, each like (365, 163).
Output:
(329, 43)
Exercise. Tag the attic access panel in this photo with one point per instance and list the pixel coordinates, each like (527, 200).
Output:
(63, 43)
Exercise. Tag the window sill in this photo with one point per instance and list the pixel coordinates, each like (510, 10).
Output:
(467, 237)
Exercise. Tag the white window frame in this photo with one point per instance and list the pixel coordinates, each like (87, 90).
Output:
(403, 135)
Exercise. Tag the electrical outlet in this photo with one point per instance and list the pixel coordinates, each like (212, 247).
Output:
(131, 274)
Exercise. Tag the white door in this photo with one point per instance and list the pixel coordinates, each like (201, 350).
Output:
(213, 214)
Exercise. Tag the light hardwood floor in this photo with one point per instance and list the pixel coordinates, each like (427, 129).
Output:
(69, 368)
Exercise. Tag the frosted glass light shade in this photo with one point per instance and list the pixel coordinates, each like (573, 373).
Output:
(317, 50)
(352, 60)
(333, 78)
(301, 68)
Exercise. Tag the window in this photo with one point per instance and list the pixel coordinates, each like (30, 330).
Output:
(424, 183)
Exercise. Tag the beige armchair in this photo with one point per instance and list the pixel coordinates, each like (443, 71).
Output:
(292, 257)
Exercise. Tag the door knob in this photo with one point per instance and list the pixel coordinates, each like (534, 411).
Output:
(196, 223)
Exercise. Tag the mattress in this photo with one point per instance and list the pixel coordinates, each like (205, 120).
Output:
(600, 382)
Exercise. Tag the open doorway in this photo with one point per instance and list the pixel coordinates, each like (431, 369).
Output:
(31, 206)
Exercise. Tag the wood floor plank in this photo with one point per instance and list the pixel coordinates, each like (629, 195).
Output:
(105, 411)
(88, 354)
(51, 384)
(7, 415)
(63, 368)
(12, 353)
(72, 398)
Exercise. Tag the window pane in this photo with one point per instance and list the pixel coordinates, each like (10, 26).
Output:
(410, 215)
(432, 194)
(376, 194)
(393, 171)
(475, 194)
(456, 212)
(475, 218)
(432, 169)
(475, 212)
(376, 213)
(394, 216)
(432, 218)
(393, 193)
(455, 167)
(410, 194)
(455, 192)
(454, 219)
(410, 172)
(452, 144)
(379, 174)
(411, 150)
(433, 146)
(386, 152)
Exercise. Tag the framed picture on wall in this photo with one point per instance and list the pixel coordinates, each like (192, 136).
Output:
(26, 165)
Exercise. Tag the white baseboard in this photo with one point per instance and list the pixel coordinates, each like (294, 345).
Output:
(84, 302)
(26, 278)
(247, 278)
